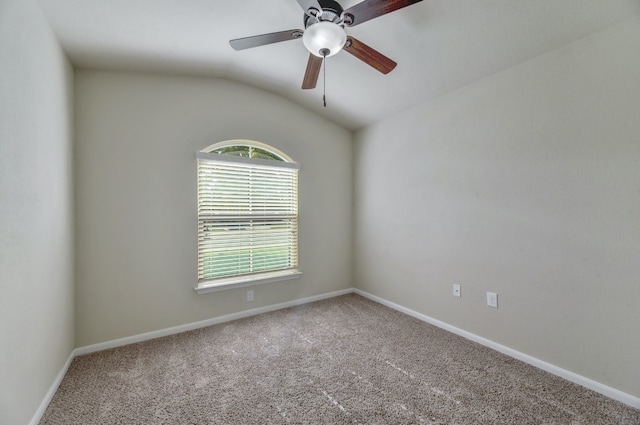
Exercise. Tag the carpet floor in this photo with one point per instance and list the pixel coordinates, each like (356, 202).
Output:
(346, 360)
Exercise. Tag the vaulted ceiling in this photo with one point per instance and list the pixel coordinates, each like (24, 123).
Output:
(440, 45)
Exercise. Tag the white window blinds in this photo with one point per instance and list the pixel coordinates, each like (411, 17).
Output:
(247, 216)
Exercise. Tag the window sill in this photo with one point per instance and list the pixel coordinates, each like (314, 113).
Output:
(243, 281)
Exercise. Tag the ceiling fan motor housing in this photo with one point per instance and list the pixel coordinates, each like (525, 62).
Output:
(331, 12)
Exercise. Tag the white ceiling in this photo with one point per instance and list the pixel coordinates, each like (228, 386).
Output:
(440, 45)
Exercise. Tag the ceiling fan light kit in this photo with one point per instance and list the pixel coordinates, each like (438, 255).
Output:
(325, 35)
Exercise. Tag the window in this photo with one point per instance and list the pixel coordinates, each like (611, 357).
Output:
(247, 215)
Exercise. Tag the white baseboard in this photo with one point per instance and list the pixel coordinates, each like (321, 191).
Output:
(204, 323)
(598, 387)
(170, 331)
(52, 391)
(555, 370)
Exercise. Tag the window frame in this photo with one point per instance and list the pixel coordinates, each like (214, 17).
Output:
(205, 158)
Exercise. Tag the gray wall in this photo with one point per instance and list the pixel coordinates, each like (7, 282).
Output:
(526, 184)
(36, 206)
(135, 174)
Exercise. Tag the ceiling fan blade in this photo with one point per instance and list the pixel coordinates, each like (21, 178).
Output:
(313, 71)
(369, 56)
(369, 9)
(264, 39)
(310, 4)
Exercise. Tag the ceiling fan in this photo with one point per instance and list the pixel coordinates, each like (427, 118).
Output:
(324, 34)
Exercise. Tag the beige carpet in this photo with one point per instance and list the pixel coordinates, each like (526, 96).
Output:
(345, 360)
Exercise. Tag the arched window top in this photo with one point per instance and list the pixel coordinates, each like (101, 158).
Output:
(248, 149)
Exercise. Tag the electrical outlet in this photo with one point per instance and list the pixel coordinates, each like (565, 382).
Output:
(250, 295)
(492, 299)
(456, 291)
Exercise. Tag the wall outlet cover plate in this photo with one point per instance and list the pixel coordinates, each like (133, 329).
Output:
(492, 299)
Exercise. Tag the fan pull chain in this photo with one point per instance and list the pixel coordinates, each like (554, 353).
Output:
(324, 53)
(324, 83)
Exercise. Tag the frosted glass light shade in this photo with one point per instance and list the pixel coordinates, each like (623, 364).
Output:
(324, 35)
